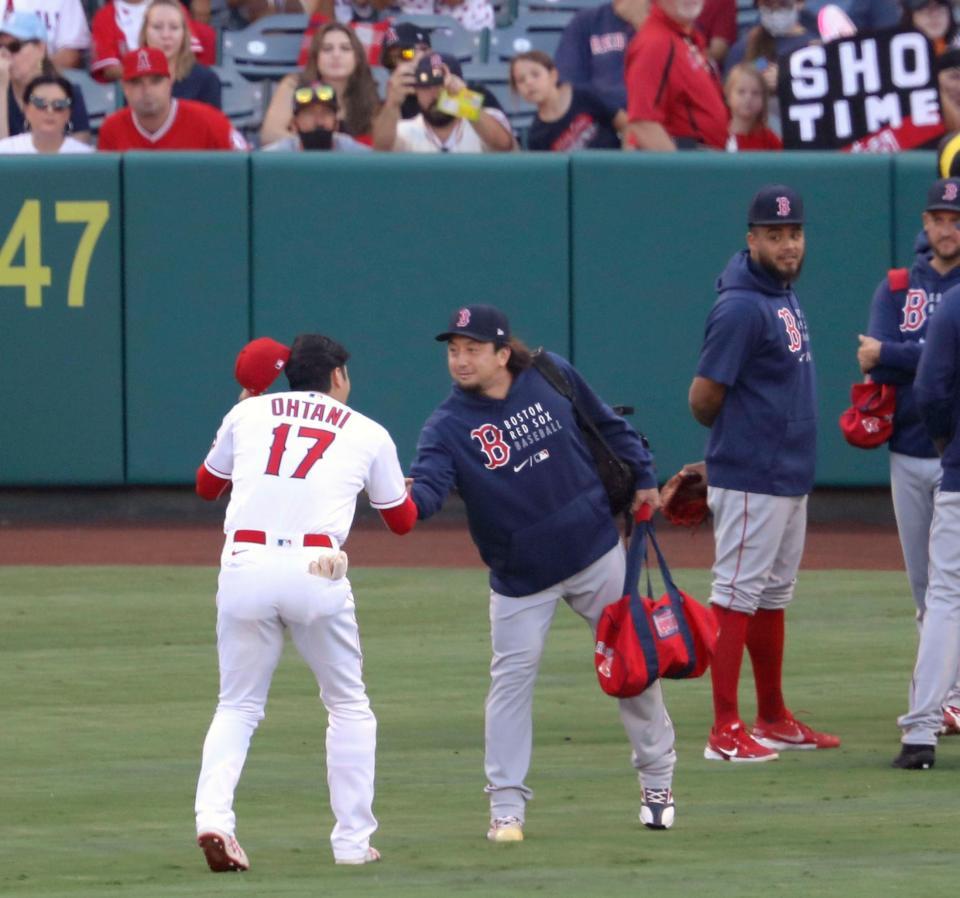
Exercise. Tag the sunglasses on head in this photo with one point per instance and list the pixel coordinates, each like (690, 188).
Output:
(57, 105)
(317, 92)
(13, 46)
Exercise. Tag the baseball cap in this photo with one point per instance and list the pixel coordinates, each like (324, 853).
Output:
(776, 204)
(145, 61)
(484, 323)
(24, 26)
(259, 364)
(316, 93)
(944, 196)
(430, 71)
(404, 35)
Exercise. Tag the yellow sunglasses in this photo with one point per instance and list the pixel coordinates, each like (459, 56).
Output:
(322, 93)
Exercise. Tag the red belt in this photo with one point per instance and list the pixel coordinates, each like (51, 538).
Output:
(259, 536)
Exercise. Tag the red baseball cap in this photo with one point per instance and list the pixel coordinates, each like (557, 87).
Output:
(260, 363)
(868, 422)
(145, 61)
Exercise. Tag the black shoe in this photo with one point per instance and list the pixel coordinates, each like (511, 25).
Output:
(915, 757)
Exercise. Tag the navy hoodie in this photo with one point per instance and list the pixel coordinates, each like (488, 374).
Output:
(936, 388)
(536, 508)
(757, 345)
(899, 321)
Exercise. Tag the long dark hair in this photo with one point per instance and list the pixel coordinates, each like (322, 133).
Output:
(520, 356)
(360, 100)
(906, 22)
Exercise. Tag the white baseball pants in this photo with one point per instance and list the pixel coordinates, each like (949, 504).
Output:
(759, 542)
(519, 628)
(262, 591)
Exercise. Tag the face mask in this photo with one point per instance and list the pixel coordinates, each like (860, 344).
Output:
(317, 139)
(779, 22)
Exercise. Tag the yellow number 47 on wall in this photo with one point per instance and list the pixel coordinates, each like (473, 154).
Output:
(32, 274)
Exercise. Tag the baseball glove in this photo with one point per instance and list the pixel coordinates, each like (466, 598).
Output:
(683, 499)
(330, 567)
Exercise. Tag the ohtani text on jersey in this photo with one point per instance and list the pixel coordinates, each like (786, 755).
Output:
(335, 416)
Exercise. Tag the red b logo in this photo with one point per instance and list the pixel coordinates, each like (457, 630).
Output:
(463, 318)
(783, 206)
(492, 445)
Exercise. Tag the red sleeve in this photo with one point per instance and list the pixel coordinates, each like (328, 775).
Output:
(104, 41)
(646, 76)
(725, 24)
(316, 20)
(206, 38)
(209, 486)
(401, 518)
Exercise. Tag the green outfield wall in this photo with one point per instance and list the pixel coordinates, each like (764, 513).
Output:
(128, 284)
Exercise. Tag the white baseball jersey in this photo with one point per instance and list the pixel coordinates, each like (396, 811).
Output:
(297, 461)
(65, 20)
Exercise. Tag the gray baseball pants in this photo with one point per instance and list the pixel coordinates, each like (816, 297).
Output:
(519, 627)
(939, 652)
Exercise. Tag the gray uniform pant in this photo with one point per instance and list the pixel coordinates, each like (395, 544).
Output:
(519, 627)
(939, 652)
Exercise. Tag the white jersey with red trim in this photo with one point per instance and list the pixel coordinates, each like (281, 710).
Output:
(298, 460)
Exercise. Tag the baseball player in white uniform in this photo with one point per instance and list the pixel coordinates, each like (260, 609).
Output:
(296, 461)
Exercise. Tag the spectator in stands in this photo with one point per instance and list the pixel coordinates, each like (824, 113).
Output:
(674, 98)
(48, 99)
(166, 27)
(68, 35)
(116, 30)
(435, 131)
(336, 58)
(568, 118)
(247, 11)
(23, 56)
(474, 15)
(154, 120)
(746, 95)
(403, 42)
(934, 18)
(315, 123)
(363, 17)
(593, 46)
(948, 77)
(718, 25)
(780, 30)
(873, 15)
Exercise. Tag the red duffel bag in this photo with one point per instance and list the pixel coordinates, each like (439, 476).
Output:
(640, 639)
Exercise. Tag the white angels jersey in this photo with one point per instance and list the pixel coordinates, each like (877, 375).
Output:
(298, 460)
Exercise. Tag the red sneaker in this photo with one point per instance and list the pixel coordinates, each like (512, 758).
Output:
(790, 734)
(733, 743)
(951, 721)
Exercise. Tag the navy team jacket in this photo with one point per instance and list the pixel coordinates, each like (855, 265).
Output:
(936, 388)
(536, 508)
(757, 345)
(898, 319)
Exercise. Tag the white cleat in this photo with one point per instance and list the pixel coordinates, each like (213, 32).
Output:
(505, 829)
(371, 857)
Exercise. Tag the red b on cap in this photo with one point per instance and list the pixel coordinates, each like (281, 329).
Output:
(260, 363)
(145, 61)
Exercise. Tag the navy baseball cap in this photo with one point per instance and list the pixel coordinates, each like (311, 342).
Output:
(430, 71)
(487, 324)
(776, 204)
(406, 36)
(944, 196)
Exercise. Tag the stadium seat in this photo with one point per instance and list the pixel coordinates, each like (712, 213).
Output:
(242, 100)
(447, 35)
(381, 76)
(530, 31)
(267, 48)
(496, 78)
(100, 99)
(747, 15)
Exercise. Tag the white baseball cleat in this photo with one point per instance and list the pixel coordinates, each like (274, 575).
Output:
(371, 857)
(505, 829)
(223, 852)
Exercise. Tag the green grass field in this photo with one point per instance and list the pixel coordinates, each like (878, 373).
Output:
(109, 681)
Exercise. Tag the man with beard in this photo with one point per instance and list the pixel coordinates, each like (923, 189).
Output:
(434, 131)
(674, 97)
(755, 390)
(899, 315)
